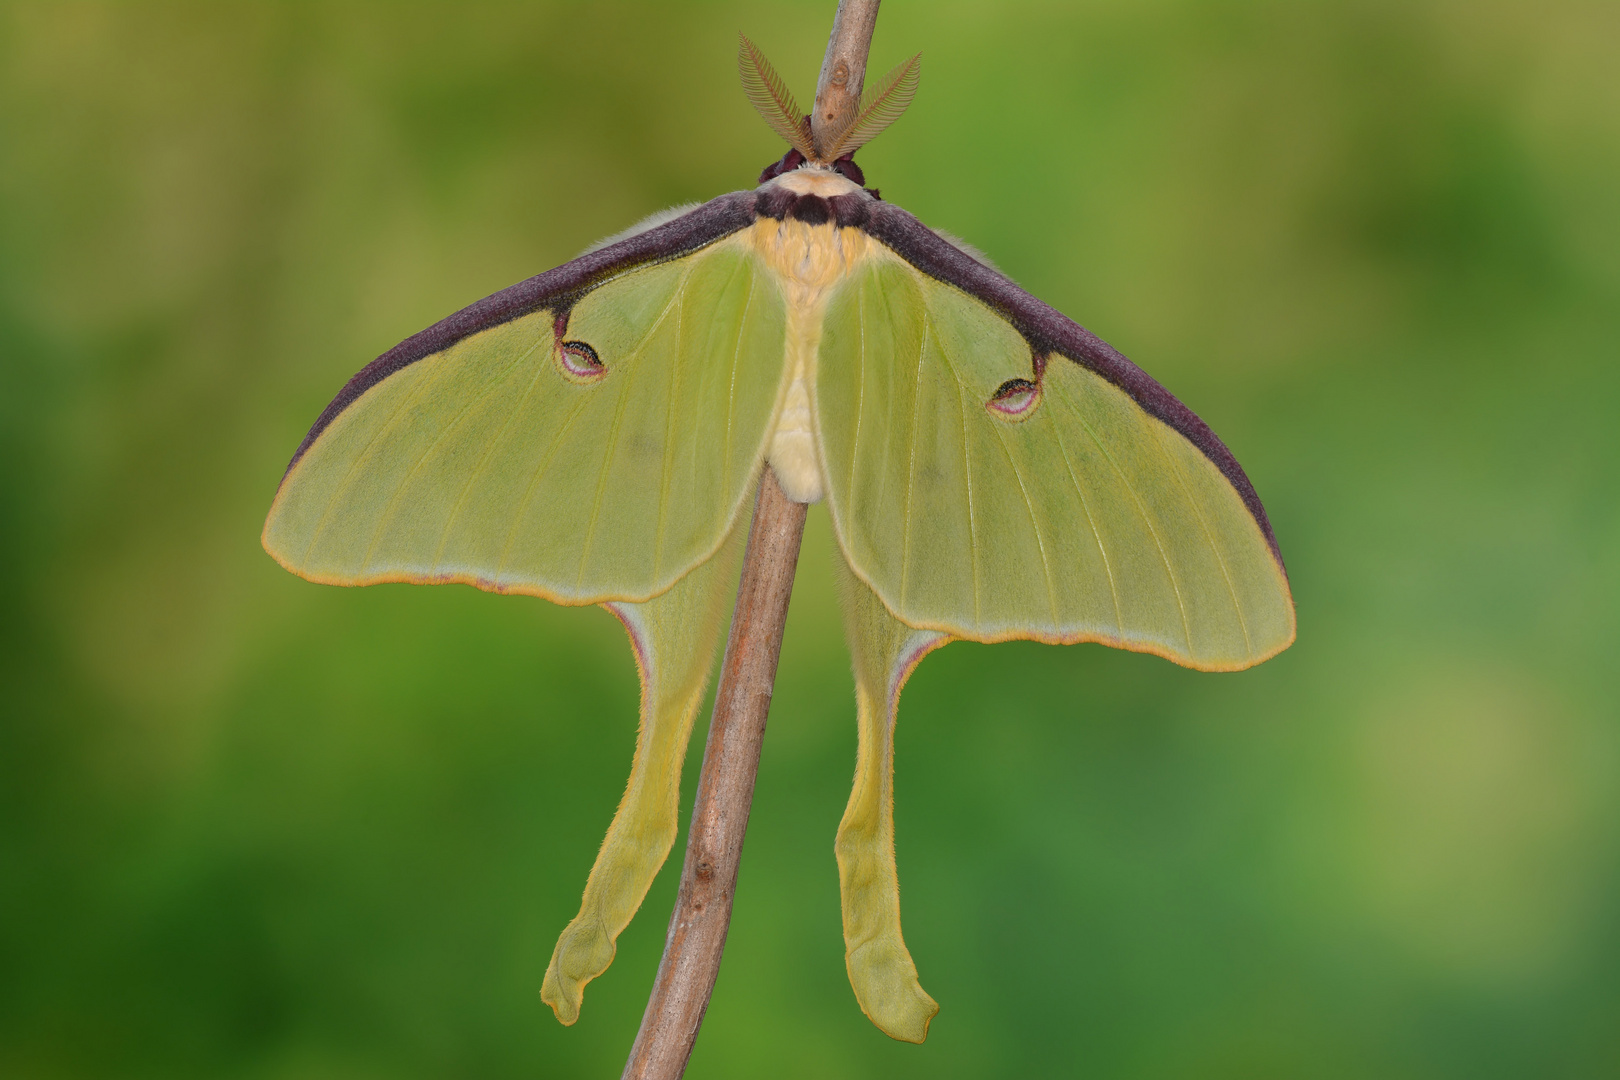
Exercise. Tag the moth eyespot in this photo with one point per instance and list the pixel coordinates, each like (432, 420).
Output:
(579, 363)
(1015, 399)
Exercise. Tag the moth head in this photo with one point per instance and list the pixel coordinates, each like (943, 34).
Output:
(881, 105)
(793, 161)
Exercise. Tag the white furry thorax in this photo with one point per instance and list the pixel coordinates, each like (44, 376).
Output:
(807, 261)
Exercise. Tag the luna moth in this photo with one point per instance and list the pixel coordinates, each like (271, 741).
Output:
(591, 435)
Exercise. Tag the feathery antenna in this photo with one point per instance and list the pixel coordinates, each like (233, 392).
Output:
(771, 97)
(881, 105)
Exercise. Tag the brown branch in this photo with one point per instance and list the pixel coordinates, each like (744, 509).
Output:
(697, 928)
(843, 73)
(725, 792)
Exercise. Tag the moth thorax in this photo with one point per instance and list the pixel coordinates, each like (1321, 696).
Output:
(809, 259)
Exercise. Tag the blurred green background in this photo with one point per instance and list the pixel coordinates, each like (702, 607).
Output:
(252, 827)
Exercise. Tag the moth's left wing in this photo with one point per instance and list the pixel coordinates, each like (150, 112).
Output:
(995, 471)
(589, 435)
(675, 637)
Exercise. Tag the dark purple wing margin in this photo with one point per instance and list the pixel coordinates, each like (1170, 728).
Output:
(1049, 331)
(560, 288)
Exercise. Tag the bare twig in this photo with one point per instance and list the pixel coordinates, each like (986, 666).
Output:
(702, 915)
(843, 73)
(697, 928)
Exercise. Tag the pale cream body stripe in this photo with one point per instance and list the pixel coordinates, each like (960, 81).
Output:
(807, 261)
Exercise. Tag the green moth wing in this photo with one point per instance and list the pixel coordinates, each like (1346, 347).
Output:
(994, 471)
(883, 651)
(588, 435)
(675, 636)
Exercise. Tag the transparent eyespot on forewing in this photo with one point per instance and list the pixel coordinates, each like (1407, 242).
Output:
(579, 363)
(1015, 399)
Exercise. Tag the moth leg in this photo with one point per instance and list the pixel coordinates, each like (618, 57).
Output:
(884, 651)
(674, 636)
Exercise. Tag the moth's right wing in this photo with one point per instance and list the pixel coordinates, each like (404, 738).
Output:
(994, 471)
(588, 435)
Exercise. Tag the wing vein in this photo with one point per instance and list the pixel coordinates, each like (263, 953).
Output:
(1209, 535)
(731, 384)
(612, 444)
(1085, 507)
(967, 469)
(534, 481)
(1040, 543)
(885, 395)
(911, 476)
(860, 391)
(411, 398)
(483, 464)
(387, 516)
(1141, 508)
(669, 433)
